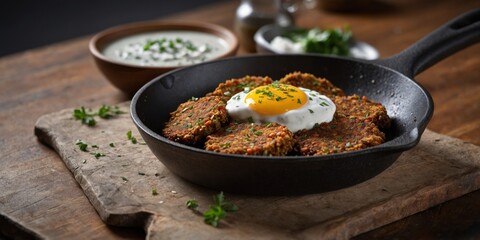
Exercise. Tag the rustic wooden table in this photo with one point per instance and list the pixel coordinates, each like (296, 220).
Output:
(40, 198)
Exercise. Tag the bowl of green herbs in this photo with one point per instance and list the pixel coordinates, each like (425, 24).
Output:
(295, 40)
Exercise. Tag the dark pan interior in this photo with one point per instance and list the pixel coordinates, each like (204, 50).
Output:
(408, 105)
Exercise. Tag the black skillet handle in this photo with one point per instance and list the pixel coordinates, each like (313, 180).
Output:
(451, 37)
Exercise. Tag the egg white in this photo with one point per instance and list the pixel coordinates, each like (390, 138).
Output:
(318, 109)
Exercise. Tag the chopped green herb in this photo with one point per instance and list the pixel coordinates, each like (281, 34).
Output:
(84, 116)
(109, 111)
(141, 173)
(258, 133)
(87, 118)
(147, 45)
(326, 41)
(125, 179)
(310, 110)
(225, 145)
(216, 212)
(213, 215)
(192, 204)
(111, 145)
(243, 85)
(219, 210)
(131, 137)
(98, 155)
(82, 145)
(172, 47)
(154, 192)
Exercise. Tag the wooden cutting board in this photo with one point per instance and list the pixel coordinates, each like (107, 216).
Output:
(121, 183)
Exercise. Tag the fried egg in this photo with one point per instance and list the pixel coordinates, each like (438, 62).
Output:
(296, 108)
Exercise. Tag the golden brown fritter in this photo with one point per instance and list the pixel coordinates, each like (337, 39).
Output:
(195, 119)
(233, 86)
(363, 108)
(309, 81)
(342, 134)
(267, 139)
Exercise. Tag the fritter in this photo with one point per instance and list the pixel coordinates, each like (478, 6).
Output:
(267, 139)
(195, 119)
(233, 86)
(363, 108)
(342, 134)
(309, 81)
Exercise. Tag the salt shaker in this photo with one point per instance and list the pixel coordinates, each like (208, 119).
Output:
(253, 14)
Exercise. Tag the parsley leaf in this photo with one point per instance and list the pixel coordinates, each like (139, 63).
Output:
(82, 145)
(219, 200)
(108, 111)
(131, 137)
(84, 116)
(192, 204)
(98, 155)
(213, 215)
(217, 211)
(87, 117)
(327, 41)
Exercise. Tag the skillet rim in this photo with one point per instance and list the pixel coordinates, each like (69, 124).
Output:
(391, 146)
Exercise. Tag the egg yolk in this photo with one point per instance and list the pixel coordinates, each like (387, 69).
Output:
(275, 99)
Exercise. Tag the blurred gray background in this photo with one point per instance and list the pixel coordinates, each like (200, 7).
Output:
(27, 24)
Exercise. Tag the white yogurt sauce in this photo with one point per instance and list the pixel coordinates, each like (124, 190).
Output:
(166, 49)
(285, 45)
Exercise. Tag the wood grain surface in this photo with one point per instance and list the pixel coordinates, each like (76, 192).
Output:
(39, 196)
(120, 186)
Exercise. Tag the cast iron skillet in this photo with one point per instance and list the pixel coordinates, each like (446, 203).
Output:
(388, 81)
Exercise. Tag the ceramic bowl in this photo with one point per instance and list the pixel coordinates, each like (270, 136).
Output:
(267, 33)
(129, 77)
